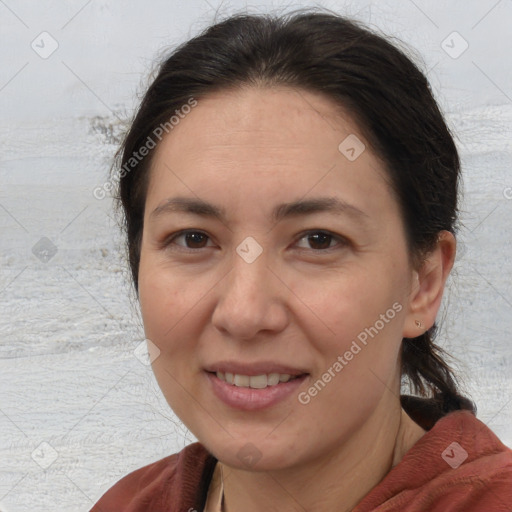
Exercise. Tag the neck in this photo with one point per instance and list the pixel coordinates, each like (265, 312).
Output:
(334, 481)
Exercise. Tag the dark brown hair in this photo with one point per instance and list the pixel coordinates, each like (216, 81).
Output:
(366, 75)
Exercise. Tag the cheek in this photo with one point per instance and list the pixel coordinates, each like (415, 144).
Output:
(357, 347)
(165, 295)
(168, 306)
(357, 338)
(163, 303)
(344, 305)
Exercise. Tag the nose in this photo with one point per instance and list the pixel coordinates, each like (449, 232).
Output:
(251, 300)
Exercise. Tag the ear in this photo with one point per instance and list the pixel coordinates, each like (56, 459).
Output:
(427, 286)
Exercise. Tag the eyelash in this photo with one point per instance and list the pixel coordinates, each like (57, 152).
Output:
(342, 241)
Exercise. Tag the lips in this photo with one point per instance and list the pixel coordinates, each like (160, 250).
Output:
(251, 399)
(253, 386)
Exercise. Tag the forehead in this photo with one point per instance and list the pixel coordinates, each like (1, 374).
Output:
(277, 143)
(256, 116)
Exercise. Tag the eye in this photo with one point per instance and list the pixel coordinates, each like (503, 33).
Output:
(318, 241)
(192, 239)
(321, 240)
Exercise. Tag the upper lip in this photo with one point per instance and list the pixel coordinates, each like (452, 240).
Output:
(252, 369)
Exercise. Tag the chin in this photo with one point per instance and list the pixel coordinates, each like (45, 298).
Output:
(254, 454)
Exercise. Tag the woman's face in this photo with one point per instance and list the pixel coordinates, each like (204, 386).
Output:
(261, 285)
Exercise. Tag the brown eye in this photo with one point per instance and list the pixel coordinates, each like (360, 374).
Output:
(195, 240)
(192, 239)
(321, 240)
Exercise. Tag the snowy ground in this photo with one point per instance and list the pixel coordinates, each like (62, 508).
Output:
(78, 409)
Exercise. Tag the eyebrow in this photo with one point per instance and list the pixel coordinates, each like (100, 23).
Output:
(297, 208)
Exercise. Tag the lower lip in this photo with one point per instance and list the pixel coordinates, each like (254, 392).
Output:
(249, 399)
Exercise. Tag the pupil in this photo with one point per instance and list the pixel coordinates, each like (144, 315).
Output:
(322, 237)
(194, 238)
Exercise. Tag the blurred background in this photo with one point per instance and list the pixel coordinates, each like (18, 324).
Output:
(79, 406)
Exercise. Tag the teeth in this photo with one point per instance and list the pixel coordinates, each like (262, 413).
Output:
(242, 381)
(254, 381)
(273, 378)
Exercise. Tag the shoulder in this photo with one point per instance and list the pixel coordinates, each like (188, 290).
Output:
(458, 465)
(177, 480)
(473, 467)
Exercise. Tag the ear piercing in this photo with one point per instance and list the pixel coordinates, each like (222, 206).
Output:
(419, 324)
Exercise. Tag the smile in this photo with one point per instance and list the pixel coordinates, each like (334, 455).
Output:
(255, 381)
(253, 392)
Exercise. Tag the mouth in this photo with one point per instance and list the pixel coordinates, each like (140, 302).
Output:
(252, 392)
(255, 381)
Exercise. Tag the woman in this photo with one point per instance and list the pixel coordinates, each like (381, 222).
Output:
(289, 188)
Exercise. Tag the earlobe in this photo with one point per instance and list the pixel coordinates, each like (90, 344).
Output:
(419, 324)
(428, 286)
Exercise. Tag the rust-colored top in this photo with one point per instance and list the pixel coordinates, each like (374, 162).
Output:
(458, 465)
